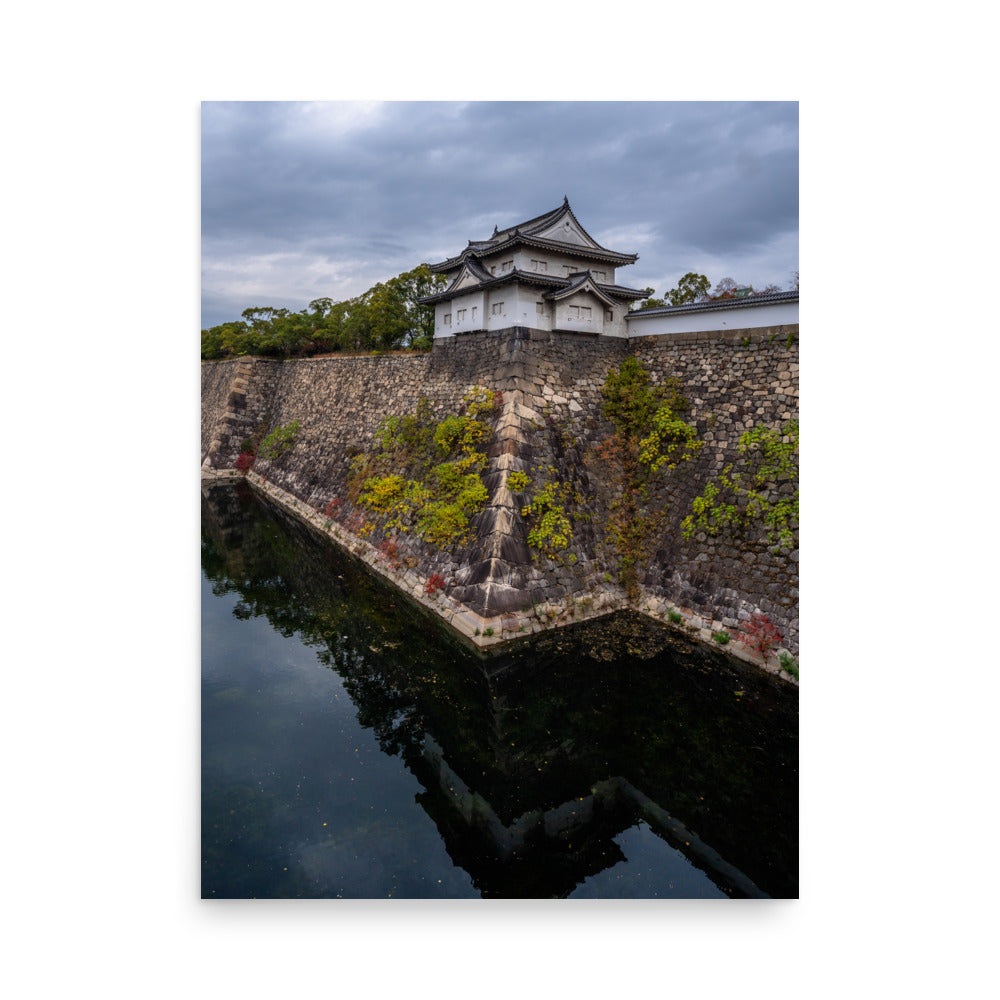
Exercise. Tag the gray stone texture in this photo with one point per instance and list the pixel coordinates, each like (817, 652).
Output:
(551, 416)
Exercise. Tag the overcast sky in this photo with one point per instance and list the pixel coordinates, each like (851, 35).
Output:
(301, 200)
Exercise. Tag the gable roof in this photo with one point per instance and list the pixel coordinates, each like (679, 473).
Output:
(583, 282)
(538, 232)
(470, 268)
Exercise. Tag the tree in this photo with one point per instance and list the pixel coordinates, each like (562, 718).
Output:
(414, 285)
(320, 307)
(652, 303)
(691, 288)
(386, 317)
(725, 289)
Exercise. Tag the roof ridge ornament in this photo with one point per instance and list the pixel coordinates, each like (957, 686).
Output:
(565, 201)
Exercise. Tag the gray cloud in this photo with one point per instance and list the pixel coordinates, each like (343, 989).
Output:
(302, 200)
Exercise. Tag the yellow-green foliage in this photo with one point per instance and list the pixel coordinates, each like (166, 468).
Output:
(669, 441)
(747, 496)
(518, 481)
(552, 532)
(551, 529)
(454, 477)
(425, 474)
(480, 400)
(449, 433)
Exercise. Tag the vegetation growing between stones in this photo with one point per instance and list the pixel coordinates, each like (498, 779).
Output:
(649, 437)
(760, 634)
(551, 528)
(762, 491)
(425, 474)
(789, 664)
(279, 441)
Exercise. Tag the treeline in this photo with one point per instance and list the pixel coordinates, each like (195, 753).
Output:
(387, 317)
(696, 288)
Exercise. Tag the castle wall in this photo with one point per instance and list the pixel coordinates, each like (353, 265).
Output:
(743, 315)
(551, 419)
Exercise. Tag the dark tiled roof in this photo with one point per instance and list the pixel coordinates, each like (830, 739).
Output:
(533, 278)
(524, 233)
(771, 298)
(580, 280)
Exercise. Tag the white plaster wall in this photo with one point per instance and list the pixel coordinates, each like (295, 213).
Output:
(521, 307)
(743, 317)
(440, 330)
(618, 327)
(522, 258)
(504, 297)
(565, 321)
(469, 302)
(565, 230)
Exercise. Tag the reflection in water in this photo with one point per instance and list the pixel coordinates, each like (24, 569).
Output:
(612, 758)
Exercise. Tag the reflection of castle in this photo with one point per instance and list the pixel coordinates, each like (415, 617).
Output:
(529, 772)
(535, 854)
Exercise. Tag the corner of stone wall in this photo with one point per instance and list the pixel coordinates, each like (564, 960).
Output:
(499, 585)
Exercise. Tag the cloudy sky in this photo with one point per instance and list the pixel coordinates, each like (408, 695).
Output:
(301, 200)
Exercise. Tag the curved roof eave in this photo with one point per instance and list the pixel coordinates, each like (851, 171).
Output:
(570, 249)
(556, 284)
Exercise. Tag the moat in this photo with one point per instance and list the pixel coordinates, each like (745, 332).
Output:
(353, 747)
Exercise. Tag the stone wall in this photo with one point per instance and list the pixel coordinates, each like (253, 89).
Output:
(551, 419)
(734, 381)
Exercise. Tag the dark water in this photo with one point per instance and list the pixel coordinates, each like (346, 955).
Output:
(352, 748)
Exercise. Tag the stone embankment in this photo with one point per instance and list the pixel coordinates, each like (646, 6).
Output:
(549, 427)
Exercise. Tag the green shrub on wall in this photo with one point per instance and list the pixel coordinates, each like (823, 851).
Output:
(425, 474)
(551, 529)
(761, 490)
(649, 437)
(279, 441)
